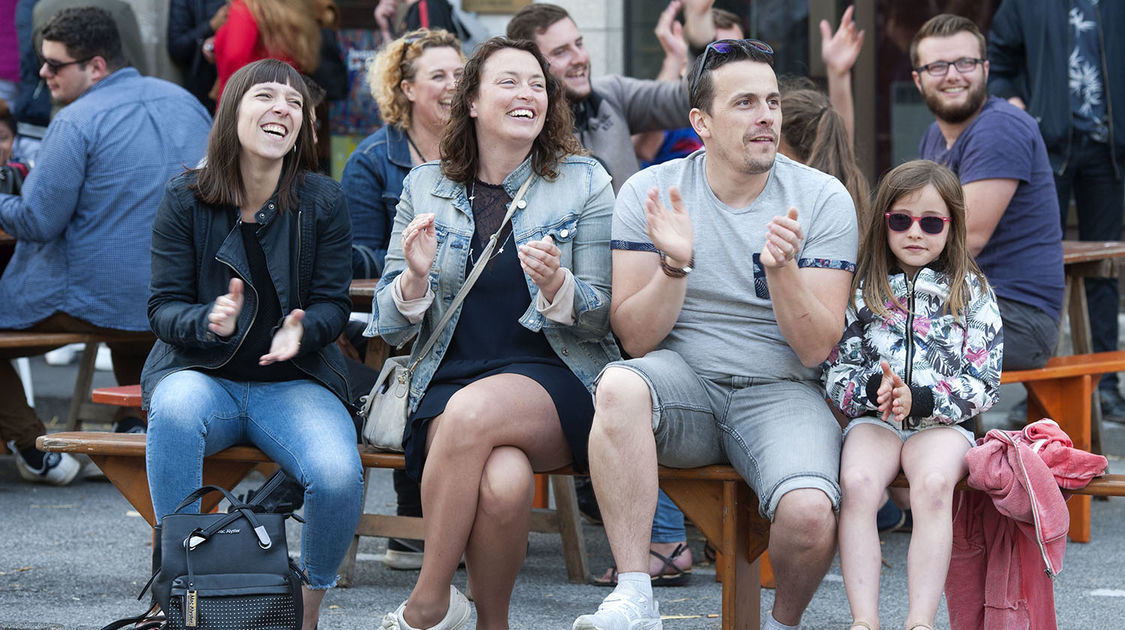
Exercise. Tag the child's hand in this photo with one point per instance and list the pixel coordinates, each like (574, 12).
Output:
(894, 396)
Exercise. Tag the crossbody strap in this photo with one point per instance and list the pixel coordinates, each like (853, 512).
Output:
(478, 268)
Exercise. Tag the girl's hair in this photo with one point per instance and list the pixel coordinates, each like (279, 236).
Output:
(817, 134)
(459, 144)
(219, 180)
(395, 64)
(289, 28)
(876, 257)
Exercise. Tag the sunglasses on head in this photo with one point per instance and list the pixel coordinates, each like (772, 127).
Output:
(406, 43)
(900, 222)
(725, 46)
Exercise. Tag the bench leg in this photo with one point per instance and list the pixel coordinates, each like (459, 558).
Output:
(1067, 402)
(570, 528)
(347, 567)
(726, 512)
(129, 477)
(82, 385)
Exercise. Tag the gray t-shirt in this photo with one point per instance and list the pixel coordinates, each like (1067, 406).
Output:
(727, 324)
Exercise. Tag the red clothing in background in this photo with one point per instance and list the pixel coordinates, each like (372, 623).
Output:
(238, 43)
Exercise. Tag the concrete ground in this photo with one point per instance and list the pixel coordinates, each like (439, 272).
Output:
(76, 557)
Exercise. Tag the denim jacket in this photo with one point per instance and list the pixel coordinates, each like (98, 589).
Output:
(372, 180)
(575, 208)
(196, 250)
(950, 361)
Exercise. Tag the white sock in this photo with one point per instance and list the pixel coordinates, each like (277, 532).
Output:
(635, 584)
(774, 624)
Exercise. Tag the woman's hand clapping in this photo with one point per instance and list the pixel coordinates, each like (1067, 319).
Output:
(541, 262)
(223, 317)
(419, 246)
(287, 339)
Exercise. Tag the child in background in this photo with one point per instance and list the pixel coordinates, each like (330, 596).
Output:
(920, 357)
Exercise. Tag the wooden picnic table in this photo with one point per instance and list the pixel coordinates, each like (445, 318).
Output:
(1087, 259)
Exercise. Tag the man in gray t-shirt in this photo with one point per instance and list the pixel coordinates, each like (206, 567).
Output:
(731, 275)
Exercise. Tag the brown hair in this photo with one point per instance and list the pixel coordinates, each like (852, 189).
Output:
(219, 181)
(289, 28)
(725, 19)
(702, 90)
(87, 32)
(946, 25)
(534, 19)
(395, 64)
(876, 257)
(817, 134)
(459, 145)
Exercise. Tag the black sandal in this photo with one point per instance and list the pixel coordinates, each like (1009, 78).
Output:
(677, 576)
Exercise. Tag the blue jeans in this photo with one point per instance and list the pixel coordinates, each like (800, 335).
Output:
(1098, 195)
(299, 424)
(668, 522)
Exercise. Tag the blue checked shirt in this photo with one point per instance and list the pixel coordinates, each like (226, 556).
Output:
(84, 223)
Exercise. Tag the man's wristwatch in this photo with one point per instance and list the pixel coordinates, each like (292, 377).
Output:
(676, 272)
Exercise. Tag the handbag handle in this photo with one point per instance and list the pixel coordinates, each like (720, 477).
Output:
(471, 280)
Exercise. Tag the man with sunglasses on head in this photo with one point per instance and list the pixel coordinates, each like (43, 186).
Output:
(84, 221)
(731, 277)
(610, 109)
(1011, 207)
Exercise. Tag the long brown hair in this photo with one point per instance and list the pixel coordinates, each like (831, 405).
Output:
(289, 28)
(459, 144)
(817, 135)
(219, 181)
(876, 257)
(395, 63)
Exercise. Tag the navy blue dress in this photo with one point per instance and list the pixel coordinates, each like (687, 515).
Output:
(489, 340)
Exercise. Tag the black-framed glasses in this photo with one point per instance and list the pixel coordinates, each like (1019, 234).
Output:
(407, 42)
(726, 46)
(901, 222)
(964, 65)
(53, 66)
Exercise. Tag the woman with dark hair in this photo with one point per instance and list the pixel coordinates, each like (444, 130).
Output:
(506, 390)
(250, 274)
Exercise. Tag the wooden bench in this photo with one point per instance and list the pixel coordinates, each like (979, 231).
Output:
(715, 498)
(80, 407)
(1063, 390)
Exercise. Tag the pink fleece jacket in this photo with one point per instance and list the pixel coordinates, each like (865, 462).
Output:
(1009, 539)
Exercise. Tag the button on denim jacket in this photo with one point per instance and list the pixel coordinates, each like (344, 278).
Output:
(575, 209)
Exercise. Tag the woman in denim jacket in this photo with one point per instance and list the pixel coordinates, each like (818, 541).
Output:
(249, 292)
(412, 80)
(506, 389)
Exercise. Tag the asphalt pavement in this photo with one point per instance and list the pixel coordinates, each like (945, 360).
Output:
(76, 557)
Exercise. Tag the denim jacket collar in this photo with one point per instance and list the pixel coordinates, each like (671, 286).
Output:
(446, 188)
(398, 148)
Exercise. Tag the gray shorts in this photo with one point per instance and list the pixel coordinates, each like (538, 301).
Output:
(778, 434)
(906, 434)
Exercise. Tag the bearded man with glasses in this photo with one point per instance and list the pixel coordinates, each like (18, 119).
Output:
(731, 276)
(1012, 211)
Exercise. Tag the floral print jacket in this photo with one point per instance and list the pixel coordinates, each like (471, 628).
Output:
(951, 364)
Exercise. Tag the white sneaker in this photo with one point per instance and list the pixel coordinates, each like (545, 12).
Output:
(64, 355)
(622, 612)
(103, 362)
(58, 469)
(457, 616)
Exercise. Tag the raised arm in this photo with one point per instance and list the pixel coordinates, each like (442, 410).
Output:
(646, 301)
(839, 52)
(809, 303)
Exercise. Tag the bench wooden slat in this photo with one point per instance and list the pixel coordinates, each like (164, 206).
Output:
(24, 339)
(1068, 366)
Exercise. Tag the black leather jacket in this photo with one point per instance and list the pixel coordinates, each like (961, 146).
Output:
(1028, 47)
(197, 249)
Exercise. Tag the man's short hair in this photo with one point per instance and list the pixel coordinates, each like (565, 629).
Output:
(534, 19)
(726, 19)
(87, 32)
(703, 88)
(946, 25)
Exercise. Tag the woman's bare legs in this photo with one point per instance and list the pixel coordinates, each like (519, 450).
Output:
(500, 411)
(934, 461)
(310, 602)
(868, 463)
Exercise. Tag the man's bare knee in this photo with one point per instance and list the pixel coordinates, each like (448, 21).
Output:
(805, 518)
(622, 400)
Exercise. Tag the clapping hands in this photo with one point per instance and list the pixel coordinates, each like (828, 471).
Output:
(669, 230)
(894, 396)
(541, 261)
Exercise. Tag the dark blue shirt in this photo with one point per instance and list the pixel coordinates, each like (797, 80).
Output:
(1023, 257)
(83, 226)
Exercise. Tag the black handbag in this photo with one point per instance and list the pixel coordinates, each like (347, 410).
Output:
(226, 571)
